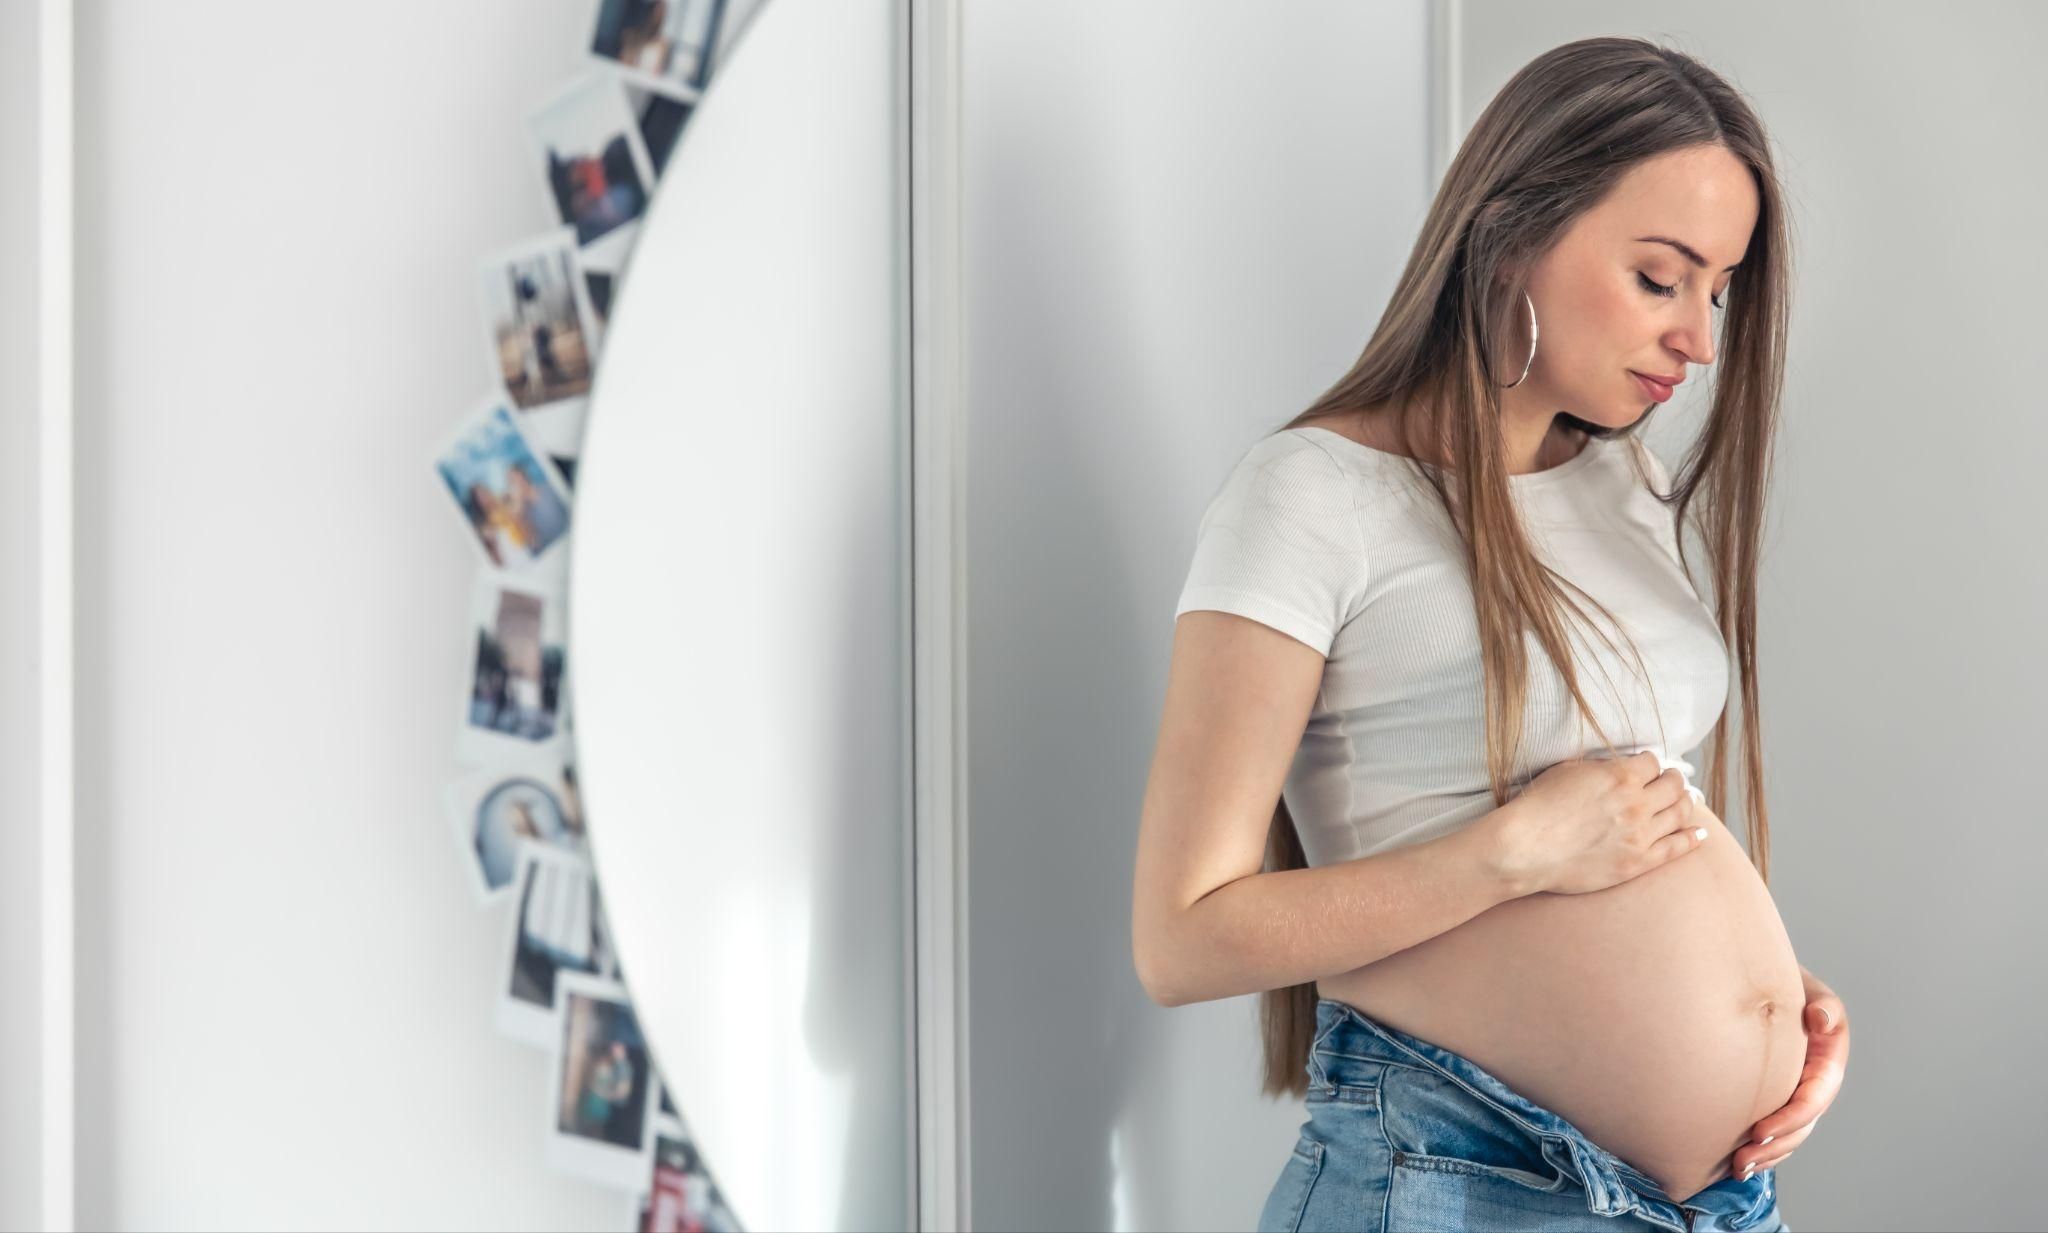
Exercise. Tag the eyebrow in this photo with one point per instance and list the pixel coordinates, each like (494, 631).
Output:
(1691, 254)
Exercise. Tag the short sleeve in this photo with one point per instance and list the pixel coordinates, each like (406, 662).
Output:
(1280, 543)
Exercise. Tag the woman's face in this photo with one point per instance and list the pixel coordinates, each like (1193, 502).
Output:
(1599, 318)
(518, 488)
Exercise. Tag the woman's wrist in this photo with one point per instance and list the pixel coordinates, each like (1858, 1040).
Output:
(1497, 841)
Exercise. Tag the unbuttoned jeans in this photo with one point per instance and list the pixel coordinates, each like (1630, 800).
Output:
(1406, 1135)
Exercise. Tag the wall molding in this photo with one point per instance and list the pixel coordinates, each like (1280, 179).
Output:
(1446, 125)
(938, 658)
(55, 641)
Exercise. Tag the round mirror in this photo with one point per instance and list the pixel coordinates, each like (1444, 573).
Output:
(737, 627)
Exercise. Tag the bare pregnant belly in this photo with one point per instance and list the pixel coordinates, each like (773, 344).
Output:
(1660, 1016)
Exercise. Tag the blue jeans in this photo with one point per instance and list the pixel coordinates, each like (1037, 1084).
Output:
(1406, 1135)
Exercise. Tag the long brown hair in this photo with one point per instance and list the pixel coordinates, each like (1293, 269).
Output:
(1548, 147)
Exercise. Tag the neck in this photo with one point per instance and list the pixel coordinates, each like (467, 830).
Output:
(1533, 439)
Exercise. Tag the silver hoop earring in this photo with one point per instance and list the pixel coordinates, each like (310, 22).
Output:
(1532, 344)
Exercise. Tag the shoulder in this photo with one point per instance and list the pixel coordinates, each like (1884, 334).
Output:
(1298, 450)
(1289, 468)
(1296, 473)
(1280, 542)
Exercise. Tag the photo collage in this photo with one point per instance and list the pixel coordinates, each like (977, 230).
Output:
(599, 146)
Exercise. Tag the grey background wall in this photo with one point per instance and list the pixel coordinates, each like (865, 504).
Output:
(1182, 223)
(1903, 590)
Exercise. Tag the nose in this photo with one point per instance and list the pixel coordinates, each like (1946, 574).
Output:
(1695, 339)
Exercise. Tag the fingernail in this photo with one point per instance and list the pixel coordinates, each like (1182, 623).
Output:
(1766, 1139)
(1827, 1020)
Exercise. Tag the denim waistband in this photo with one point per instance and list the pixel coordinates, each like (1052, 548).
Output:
(1613, 1186)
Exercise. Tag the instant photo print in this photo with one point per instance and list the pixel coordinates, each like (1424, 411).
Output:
(497, 811)
(544, 337)
(515, 701)
(557, 926)
(599, 282)
(601, 1098)
(664, 43)
(504, 489)
(661, 118)
(679, 1192)
(595, 167)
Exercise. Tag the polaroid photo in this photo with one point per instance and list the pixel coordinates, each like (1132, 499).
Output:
(566, 465)
(693, 1200)
(661, 117)
(544, 337)
(664, 43)
(601, 1089)
(610, 257)
(598, 176)
(514, 703)
(665, 1111)
(558, 926)
(679, 1198)
(599, 283)
(515, 504)
(497, 811)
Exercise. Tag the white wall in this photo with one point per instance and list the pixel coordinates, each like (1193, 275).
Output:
(285, 988)
(1181, 222)
(20, 903)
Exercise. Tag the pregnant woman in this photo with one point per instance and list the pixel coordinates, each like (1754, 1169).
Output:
(1418, 780)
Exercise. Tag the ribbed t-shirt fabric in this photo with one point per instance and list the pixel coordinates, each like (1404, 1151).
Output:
(1343, 547)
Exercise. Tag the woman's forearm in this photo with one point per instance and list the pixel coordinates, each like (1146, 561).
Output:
(1288, 927)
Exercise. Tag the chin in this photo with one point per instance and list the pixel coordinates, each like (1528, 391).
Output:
(1628, 419)
(1614, 422)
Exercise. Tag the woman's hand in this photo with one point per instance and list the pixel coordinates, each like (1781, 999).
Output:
(1782, 1132)
(1584, 825)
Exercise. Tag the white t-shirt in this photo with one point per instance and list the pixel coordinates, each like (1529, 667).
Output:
(1343, 547)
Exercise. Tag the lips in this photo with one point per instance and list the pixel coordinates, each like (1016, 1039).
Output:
(1656, 390)
(1650, 376)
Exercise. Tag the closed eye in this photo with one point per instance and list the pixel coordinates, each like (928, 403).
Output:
(1657, 288)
